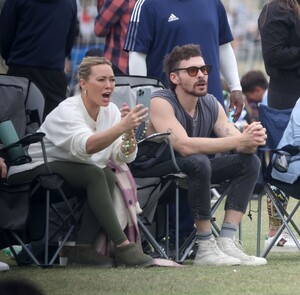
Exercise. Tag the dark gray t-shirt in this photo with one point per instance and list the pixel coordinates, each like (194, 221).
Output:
(151, 153)
(203, 122)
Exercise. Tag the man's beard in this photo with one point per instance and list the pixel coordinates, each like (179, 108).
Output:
(191, 90)
(196, 93)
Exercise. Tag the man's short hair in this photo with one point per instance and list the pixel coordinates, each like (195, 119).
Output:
(253, 79)
(179, 53)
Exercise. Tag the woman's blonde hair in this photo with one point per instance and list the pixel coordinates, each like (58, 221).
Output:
(84, 69)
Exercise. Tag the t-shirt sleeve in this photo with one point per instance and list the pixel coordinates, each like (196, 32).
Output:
(141, 30)
(211, 108)
(225, 34)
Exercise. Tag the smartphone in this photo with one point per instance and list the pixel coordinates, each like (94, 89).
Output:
(143, 96)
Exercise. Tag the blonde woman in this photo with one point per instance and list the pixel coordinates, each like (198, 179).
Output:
(82, 134)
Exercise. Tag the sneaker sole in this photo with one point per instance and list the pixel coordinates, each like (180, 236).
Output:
(216, 264)
(253, 263)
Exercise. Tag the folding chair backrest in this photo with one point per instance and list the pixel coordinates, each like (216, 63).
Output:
(275, 121)
(13, 95)
(127, 87)
(22, 102)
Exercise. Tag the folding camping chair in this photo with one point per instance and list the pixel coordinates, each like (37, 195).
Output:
(22, 108)
(125, 91)
(275, 121)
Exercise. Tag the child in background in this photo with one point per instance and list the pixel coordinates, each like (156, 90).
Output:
(255, 88)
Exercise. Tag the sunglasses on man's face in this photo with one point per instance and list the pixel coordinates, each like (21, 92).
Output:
(193, 71)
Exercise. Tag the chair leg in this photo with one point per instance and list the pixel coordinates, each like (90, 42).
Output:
(286, 219)
(61, 245)
(167, 230)
(240, 232)
(259, 208)
(26, 249)
(46, 259)
(177, 222)
(188, 245)
(151, 240)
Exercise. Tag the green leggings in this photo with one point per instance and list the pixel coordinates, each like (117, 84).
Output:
(99, 185)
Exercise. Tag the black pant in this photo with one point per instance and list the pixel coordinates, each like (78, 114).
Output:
(202, 171)
(52, 83)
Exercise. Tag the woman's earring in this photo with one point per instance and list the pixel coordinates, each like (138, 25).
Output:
(85, 93)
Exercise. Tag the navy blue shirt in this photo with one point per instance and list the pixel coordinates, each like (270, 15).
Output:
(37, 33)
(157, 26)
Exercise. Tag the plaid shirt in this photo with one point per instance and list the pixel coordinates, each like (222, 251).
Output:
(112, 23)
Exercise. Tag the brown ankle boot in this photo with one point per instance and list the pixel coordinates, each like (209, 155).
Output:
(130, 256)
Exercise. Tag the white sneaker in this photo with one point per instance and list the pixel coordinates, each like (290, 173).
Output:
(234, 249)
(284, 243)
(209, 254)
(4, 266)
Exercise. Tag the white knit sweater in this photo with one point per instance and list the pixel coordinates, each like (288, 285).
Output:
(67, 129)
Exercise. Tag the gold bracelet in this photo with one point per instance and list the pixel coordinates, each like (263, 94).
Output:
(128, 143)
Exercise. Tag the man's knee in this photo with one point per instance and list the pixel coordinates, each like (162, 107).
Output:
(197, 165)
(252, 163)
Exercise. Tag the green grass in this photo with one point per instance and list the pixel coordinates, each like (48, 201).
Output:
(279, 276)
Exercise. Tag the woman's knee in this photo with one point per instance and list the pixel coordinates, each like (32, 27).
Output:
(80, 175)
(94, 174)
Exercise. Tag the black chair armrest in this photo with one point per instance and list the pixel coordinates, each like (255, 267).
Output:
(22, 157)
(160, 137)
(156, 137)
(25, 141)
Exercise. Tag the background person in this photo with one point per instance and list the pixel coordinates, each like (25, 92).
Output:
(82, 134)
(35, 38)
(157, 26)
(279, 27)
(255, 88)
(112, 23)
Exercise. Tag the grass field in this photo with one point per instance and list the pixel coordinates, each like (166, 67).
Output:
(279, 276)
